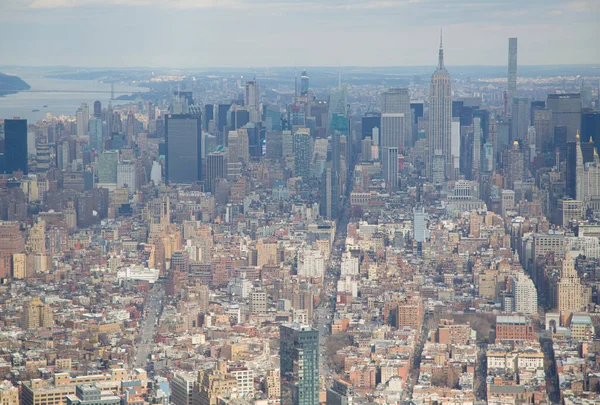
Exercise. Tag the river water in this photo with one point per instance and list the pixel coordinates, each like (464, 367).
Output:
(80, 91)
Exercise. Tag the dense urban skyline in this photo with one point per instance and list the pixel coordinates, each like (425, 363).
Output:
(425, 235)
(196, 33)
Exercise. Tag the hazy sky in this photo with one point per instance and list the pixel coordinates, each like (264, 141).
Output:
(258, 33)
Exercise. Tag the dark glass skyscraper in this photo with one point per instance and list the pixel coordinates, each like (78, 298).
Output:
(15, 146)
(209, 114)
(299, 365)
(183, 144)
(590, 126)
(370, 121)
(97, 109)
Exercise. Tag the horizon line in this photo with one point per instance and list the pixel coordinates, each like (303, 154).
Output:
(597, 65)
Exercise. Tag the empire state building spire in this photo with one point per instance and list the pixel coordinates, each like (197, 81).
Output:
(442, 162)
(441, 54)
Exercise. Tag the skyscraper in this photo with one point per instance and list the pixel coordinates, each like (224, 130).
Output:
(299, 365)
(107, 167)
(520, 118)
(304, 84)
(397, 101)
(515, 165)
(419, 230)
(301, 148)
(440, 117)
(252, 100)
(216, 168)
(183, 142)
(477, 141)
(512, 69)
(95, 132)
(566, 111)
(389, 162)
(392, 128)
(209, 115)
(542, 122)
(97, 109)
(127, 176)
(15, 146)
(369, 121)
(590, 126)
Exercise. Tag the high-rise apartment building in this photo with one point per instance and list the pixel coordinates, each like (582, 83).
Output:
(304, 83)
(15, 146)
(512, 69)
(37, 315)
(183, 142)
(524, 295)
(440, 119)
(299, 365)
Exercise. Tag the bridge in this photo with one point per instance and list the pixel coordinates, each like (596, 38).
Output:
(112, 91)
(74, 91)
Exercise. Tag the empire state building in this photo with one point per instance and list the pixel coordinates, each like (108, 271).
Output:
(440, 123)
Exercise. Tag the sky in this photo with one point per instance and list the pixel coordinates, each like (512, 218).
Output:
(304, 33)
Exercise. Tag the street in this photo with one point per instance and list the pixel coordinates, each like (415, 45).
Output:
(324, 313)
(152, 310)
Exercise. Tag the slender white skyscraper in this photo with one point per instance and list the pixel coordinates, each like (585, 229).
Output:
(253, 100)
(512, 71)
(440, 120)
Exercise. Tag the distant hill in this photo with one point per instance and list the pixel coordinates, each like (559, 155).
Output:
(11, 84)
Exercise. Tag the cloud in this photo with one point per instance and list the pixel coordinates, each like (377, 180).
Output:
(49, 4)
(280, 5)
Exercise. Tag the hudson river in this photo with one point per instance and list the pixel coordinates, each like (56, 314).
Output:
(21, 104)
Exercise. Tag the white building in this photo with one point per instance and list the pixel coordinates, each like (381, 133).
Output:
(348, 285)
(156, 173)
(240, 287)
(311, 263)
(138, 273)
(127, 176)
(525, 295)
(245, 380)
(350, 265)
